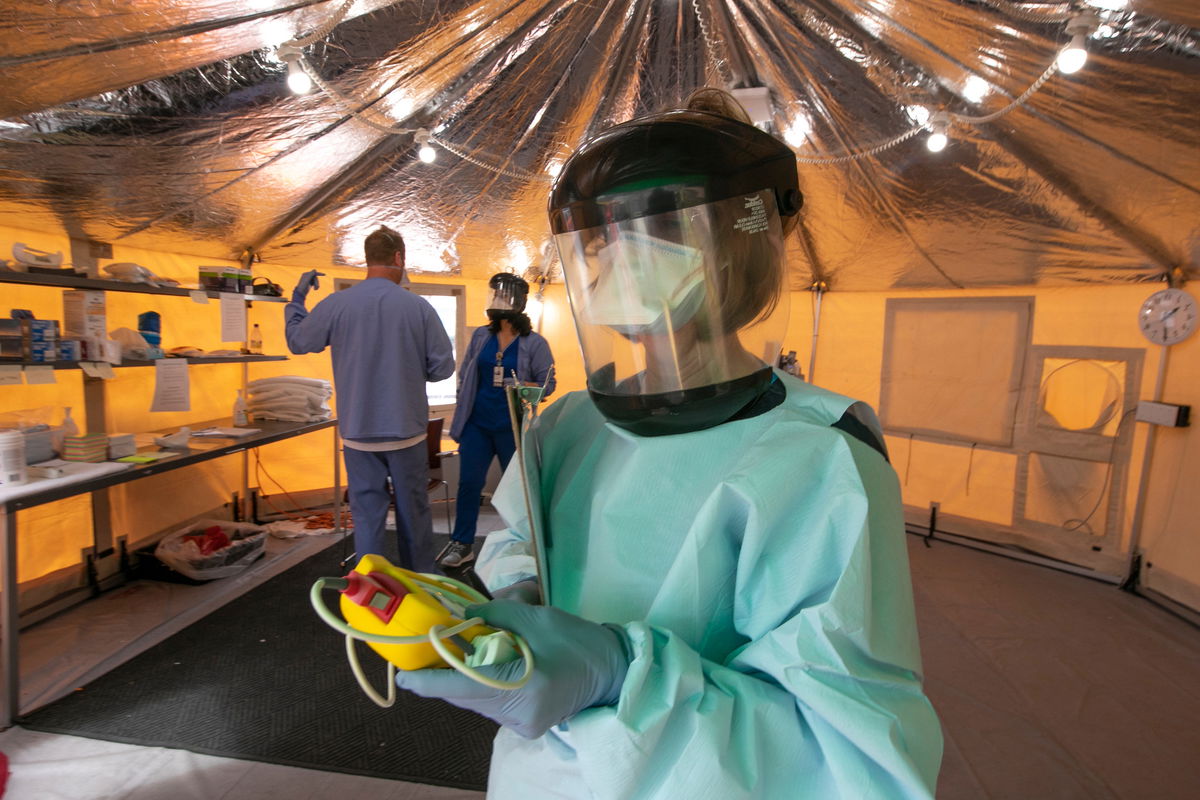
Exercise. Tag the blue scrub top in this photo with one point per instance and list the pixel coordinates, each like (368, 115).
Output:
(386, 343)
(490, 411)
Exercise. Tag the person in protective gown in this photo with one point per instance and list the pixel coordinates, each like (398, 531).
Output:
(727, 609)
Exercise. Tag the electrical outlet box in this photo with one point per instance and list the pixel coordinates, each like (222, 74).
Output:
(1167, 414)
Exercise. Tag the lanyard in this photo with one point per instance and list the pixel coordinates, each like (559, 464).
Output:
(498, 370)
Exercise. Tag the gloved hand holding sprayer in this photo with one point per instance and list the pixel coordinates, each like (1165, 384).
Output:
(525, 666)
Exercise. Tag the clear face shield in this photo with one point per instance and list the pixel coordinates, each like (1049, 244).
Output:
(506, 298)
(676, 307)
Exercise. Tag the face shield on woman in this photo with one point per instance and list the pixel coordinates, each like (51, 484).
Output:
(676, 285)
(507, 296)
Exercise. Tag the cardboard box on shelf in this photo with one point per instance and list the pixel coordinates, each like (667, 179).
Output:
(212, 278)
(121, 445)
(84, 313)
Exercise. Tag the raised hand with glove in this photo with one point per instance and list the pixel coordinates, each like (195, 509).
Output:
(307, 281)
(578, 664)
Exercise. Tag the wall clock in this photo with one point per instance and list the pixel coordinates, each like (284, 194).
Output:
(1168, 316)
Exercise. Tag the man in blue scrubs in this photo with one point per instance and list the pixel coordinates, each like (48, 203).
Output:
(385, 343)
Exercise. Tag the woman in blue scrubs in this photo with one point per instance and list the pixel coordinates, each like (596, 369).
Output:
(506, 350)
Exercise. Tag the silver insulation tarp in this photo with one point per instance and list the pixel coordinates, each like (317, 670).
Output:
(168, 125)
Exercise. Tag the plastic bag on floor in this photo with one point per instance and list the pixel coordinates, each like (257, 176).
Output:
(312, 525)
(211, 548)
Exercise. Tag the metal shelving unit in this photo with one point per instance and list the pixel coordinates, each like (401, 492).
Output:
(94, 418)
(81, 282)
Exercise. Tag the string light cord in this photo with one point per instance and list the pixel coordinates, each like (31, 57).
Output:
(711, 45)
(323, 30)
(353, 106)
(853, 155)
(969, 119)
(1014, 105)
(511, 173)
(1061, 13)
(357, 108)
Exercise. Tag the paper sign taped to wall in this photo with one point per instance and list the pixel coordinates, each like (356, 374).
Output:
(199, 296)
(97, 369)
(171, 389)
(40, 374)
(10, 374)
(233, 318)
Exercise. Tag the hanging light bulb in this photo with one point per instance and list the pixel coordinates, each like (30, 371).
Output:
(425, 150)
(1072, 57)
(975, 89)
(938, 137)
(297, 80)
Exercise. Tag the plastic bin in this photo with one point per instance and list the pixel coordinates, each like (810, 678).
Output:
(185, 550)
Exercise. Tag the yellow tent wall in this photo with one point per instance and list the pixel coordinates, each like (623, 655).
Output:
(849, 359)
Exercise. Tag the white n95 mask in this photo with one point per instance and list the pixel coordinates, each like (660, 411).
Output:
(678, 310)
(645, 284)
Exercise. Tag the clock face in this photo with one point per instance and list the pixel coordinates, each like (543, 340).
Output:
(1168, 316)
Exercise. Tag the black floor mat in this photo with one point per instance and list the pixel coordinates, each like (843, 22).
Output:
(264, 679)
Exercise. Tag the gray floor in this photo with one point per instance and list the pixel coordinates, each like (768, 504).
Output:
(1051, 685)
(1048, 685)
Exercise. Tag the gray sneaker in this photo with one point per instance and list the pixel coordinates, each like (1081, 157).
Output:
(456, 554)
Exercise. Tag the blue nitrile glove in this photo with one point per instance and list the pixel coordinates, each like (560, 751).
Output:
(525, 591)
(577, 664)
(307, 281)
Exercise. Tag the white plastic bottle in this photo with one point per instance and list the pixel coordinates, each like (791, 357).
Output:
(12, 459)
(68, 424)
(240, 417)
(65, 428)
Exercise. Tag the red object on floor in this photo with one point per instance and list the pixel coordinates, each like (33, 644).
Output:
(212, 540)
(3, 773)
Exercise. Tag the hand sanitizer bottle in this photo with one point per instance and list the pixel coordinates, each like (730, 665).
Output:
(66, 428)
(255, 343)
(240, 417)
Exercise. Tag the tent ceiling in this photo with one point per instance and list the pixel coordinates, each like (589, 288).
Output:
(168, 125)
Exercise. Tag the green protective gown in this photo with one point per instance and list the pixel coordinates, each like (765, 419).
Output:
(760, 570)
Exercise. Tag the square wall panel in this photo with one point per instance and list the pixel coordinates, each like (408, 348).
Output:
(952, 367)
(1069, 494)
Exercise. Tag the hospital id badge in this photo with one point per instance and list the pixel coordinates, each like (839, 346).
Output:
(497, 375)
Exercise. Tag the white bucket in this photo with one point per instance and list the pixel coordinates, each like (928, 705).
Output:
(12, 459)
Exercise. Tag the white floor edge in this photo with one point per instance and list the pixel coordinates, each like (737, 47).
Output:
(46, 766)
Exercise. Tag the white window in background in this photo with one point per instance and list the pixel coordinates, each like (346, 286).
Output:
(450, 303)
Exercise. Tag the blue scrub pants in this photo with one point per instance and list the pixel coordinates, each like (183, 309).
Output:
(367, 474)
(476, 448)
